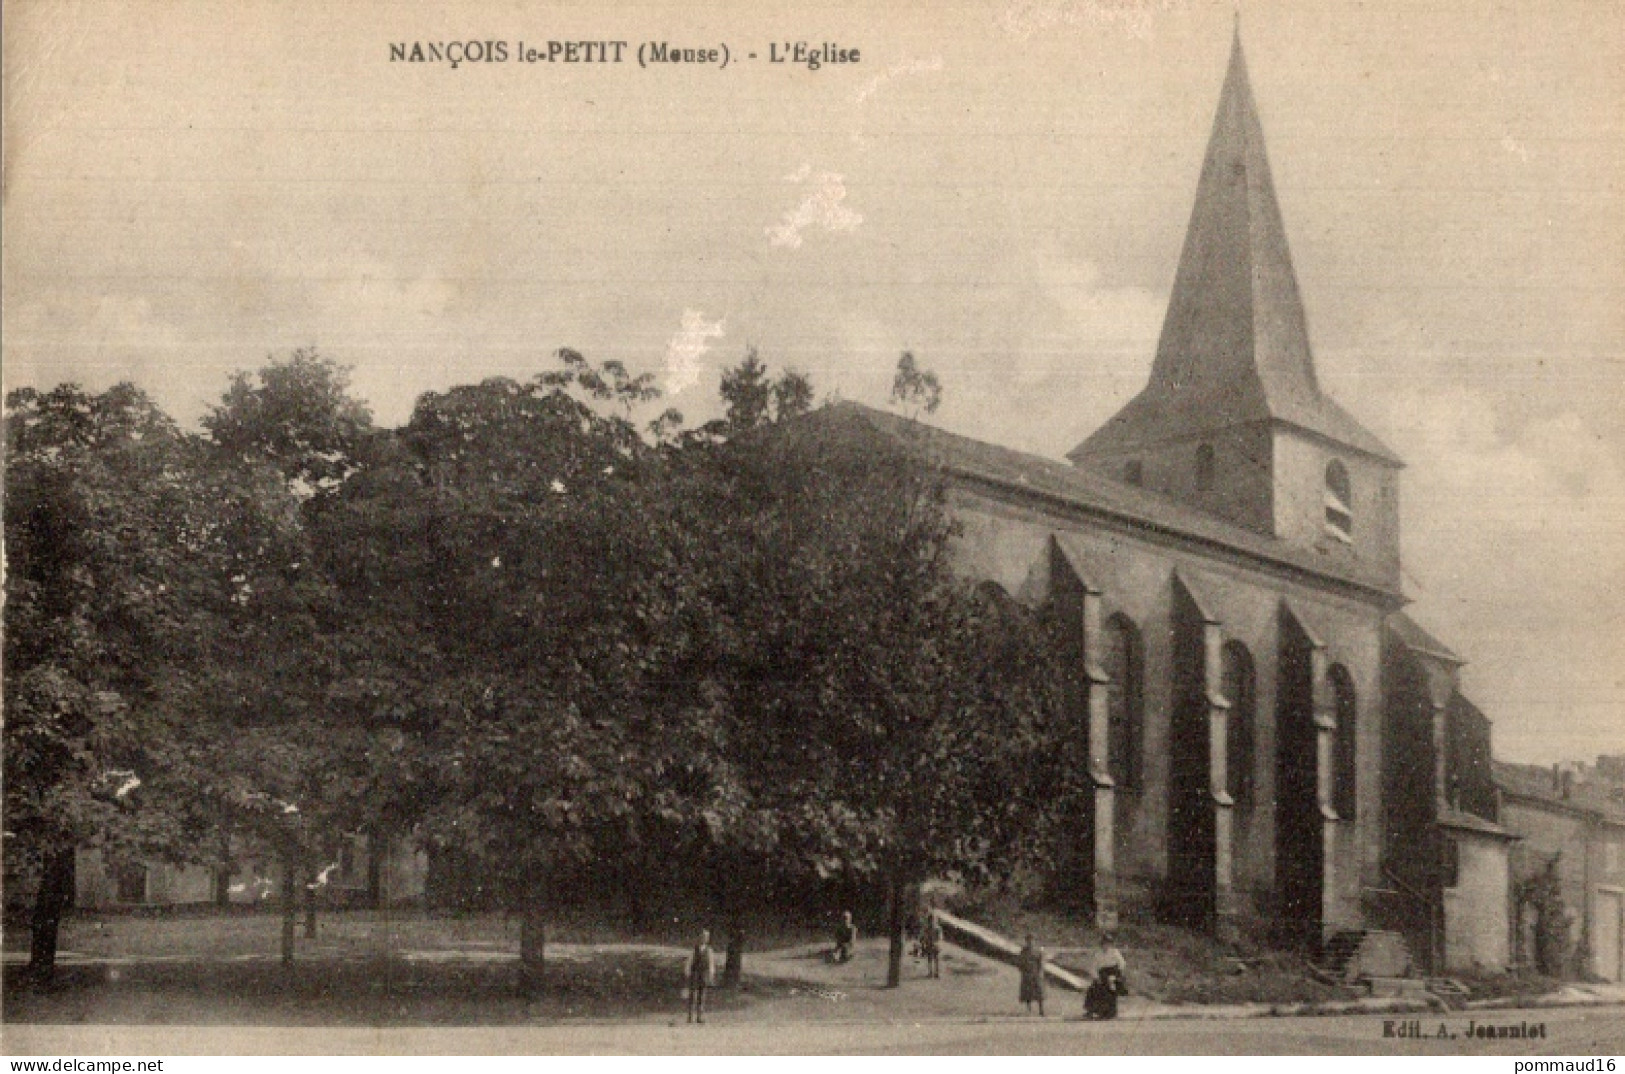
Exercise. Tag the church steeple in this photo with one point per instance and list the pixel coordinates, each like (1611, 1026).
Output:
(1235, 314)
(1233, 419)
(1235, 342)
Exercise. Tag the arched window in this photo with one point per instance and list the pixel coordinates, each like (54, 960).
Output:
(1240, 689)
(1339, 501)
(1123, 661)
(1204, 468)
(1134, 472)
(1345, 763)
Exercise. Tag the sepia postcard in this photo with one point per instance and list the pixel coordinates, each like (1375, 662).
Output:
(702, 527)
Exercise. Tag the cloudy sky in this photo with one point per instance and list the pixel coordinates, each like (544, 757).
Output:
(1002, 188)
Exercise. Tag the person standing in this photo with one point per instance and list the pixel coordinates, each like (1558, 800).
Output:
(846, 938)
(931, 944)
(698, 973)
(1031, 963)
(1110, 957)
(1100, 1001)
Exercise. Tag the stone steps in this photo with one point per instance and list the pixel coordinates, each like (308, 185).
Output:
(1362, 954)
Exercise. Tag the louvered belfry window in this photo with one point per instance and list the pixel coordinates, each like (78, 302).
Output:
(1339, 502)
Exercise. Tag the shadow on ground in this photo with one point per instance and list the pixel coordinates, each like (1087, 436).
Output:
(382, 993)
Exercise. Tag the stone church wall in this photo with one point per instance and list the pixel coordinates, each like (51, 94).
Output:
(1006, 540)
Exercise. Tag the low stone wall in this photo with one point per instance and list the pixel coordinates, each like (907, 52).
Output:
(984, 941)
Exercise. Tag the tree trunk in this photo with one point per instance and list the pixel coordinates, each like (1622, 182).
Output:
(51, 902)
(727, 902)
(310, 901)
(894, 955)
(290, 885)
(377, 847)
(222, 875)
(532, 944)
(733, 970)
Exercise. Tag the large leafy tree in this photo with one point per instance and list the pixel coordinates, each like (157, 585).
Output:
(298, 415)
(134, 557)
(297, 773)
(893, 721)
(521, 599)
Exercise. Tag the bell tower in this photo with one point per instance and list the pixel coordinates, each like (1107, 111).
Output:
(1233, 420)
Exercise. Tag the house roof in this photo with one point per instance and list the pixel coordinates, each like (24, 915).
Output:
(1467, 822)
(1234, 348)
(1410, 634)
(1535, 783)
(1034, 476)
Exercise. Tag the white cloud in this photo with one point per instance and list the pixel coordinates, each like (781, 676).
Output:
(896, 71)
(686, 348)
(56, 336)
(821, 207)
(1552, 480)
(120, 321)
(1024, 18)
(1105, 319)
(1106, 334)
(109, 321)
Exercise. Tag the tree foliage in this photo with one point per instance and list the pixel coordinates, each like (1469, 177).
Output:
(296, 414)
(517, 602)
(898, 718)
(914, 386)
(753, 398)
(520, 627)
(143, 569)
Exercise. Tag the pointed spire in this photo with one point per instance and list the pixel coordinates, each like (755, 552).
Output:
(1235, 310)
(1235, 342)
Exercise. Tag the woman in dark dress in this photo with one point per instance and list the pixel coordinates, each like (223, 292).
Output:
(1101, 999)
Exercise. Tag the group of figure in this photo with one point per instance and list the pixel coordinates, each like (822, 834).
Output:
(927, 941)
(1100, 999)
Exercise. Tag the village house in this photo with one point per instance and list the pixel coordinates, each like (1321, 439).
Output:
(1572, 827)
(354, 876)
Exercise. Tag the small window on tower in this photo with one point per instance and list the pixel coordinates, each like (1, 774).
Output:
(1339, 501)
(1204, 468)
(1134, 472)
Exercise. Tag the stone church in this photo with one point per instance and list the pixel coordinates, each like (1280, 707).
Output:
(1274, 745)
